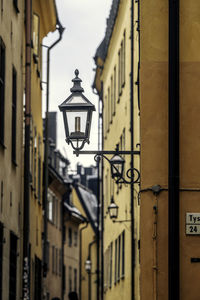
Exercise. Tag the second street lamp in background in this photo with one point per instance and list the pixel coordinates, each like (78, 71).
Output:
(113, 209)
(88, 265)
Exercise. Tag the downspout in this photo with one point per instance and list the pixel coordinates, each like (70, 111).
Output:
(80, 260)
(173, 200)
(89, 274)
(98, 229)
(132, 157)
(26, 215)
(98, 200)
(102, 200)
(46, 146)
(66, 195)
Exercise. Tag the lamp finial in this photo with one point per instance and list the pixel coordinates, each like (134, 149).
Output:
(76, 72)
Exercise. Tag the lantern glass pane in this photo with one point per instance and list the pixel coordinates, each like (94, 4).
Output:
(77, 100)
(77, 121)
(117, 169)
(113, 212)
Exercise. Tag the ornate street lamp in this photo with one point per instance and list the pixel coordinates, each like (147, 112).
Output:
(117, 165)
(77, 115)
(113, 209)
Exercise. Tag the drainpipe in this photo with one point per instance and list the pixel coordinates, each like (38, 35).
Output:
(98, 229)
(132, 157)
(90, 273)
(80, 259)
(173, 195)
(46, 146)
(26, 259)
(102, 200)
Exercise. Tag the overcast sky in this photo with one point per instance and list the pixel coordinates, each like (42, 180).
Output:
(85, 25)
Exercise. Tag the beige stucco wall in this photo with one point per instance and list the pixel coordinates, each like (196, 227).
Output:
(154, 145)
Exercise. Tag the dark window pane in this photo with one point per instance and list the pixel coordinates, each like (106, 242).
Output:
(14, 113)
(2, 89)
(13, 267)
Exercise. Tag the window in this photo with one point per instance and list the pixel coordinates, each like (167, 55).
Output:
(60, 262)
(35, 159)
(39, 169)
(75, 280)
(121, 65)
(114, 92)
(105, 115)
(50, 206)
(38, 279)
(123, 255)
(119, 74)
(111, 264)
(55, 202)
(36, 232)
(53, 259)
(2, 90)
(15, 4)
(35, 36)
(109, 108)
(13, 267)
(31, 152)
(70, 279)
(115, 279)
(112, 184)
(64, 278)
(119, 258)
(47, 253)
(124, 59)
(106, 269)
(56, 261)
(2, 196)
(14, 114)
(69, 237)
(75, 238)
(1, 258)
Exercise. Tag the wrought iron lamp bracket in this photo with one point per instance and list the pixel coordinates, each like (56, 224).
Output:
(133, 174)
(121, 221)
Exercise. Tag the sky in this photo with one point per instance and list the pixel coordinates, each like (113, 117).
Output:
(85, 25)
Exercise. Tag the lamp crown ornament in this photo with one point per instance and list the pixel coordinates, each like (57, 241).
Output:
(77, 83)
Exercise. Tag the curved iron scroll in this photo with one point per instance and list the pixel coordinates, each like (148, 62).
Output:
(133, 174)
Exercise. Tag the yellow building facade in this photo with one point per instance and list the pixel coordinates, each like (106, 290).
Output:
(11, 147)
(87, 241)
(116, 76)
(43, 20)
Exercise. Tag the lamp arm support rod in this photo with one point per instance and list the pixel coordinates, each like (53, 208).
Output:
(107, 152)
(121, 221)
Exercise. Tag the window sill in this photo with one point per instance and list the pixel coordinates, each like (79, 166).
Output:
(35, 58)
(16, 8)
(14, 163)
(2, 145)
